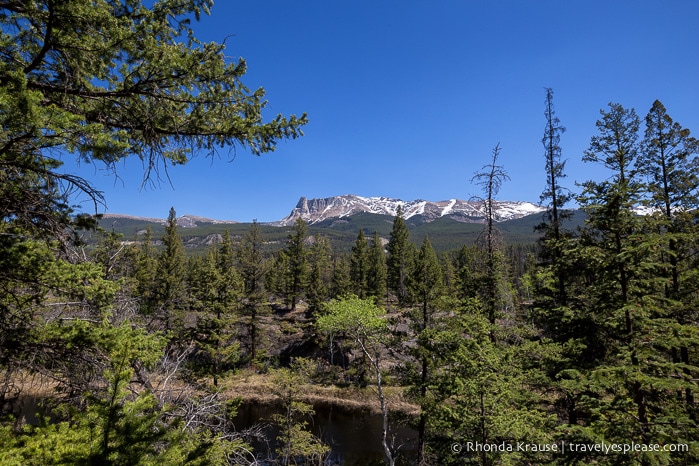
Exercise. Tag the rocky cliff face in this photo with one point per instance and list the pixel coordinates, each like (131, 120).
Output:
(318, 210)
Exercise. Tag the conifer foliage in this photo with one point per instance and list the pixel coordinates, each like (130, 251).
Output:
(591, 336)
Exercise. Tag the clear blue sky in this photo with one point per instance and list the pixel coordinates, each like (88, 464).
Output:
(406, 99)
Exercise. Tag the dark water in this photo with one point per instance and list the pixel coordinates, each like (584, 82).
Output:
(354, 436)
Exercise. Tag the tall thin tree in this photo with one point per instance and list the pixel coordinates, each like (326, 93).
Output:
(397, 262)
(490, 179)
(554, 196)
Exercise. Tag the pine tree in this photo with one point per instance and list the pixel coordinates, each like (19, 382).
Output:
(359, 266)
(668, 159)
(427, 287)
(673, 184)
(278, 277)
(295, 441)
(296, 253)
(172, 292)
(398, 259)
(630, 389)
(483, 391)
(376, 279)
(145, 274)
(466, 266)
(215, 290)
(253, 267)
(320, 273)
(341, 283)
(109, 80)
(556, 197)
(603, 261)
(490, 179)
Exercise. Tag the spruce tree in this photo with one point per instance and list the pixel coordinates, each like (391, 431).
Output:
(483, 391)
(145, 274)
(398, 259)
(253, 267)
(555, 197)
(172, 292)
(630, 391)
(668, 159)
(359, 266)
(427, 288)
(341, 283)
(320, 273)
(376, 279)
(216, 288)
(296, 253)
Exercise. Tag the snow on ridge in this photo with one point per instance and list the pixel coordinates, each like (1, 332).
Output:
(448, 208)
(317, 210)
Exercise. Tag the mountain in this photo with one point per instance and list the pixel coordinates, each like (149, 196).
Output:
(337, 207)
(449, 224)
(184, 221)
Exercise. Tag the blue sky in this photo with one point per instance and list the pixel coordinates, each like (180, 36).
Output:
(407, 99)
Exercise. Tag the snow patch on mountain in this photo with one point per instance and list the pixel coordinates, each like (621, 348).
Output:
(317, 210)
(447, 210)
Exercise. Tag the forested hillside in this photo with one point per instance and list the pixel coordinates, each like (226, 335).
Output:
(579, 349)
(445, 234)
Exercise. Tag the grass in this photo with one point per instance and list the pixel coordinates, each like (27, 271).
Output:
(259, 388)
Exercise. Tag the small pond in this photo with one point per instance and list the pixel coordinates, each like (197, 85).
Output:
(353, 435)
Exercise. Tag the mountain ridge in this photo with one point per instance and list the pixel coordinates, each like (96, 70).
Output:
(320, 209)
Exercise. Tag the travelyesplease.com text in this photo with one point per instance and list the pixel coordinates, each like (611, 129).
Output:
(565, 447)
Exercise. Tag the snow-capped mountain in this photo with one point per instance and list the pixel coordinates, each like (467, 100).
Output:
(318, 210)
(184, 221)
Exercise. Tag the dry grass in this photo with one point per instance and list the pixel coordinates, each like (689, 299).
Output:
(258, 388)
(31, 384)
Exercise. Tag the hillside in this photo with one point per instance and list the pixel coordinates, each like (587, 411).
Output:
(444, 233)
(449, 224)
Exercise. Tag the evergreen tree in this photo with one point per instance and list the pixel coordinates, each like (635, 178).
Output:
(320, 273)
(666, 160)
(119, 262)
(215, 290)
(376, 278)
(296, 253)
(109, 80)
(359, 266)
(555, 197)
(341, 283)
(609, 204)
(145, 274)
(295, 441)
(427, 287)
(253, 268)
(104, 81)
(483, 390)
(603, 262)
(172, 291)
(111, 253)
(278, 277)
(493, 286)
(630, 389)
(466, 265)
(398, 259)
